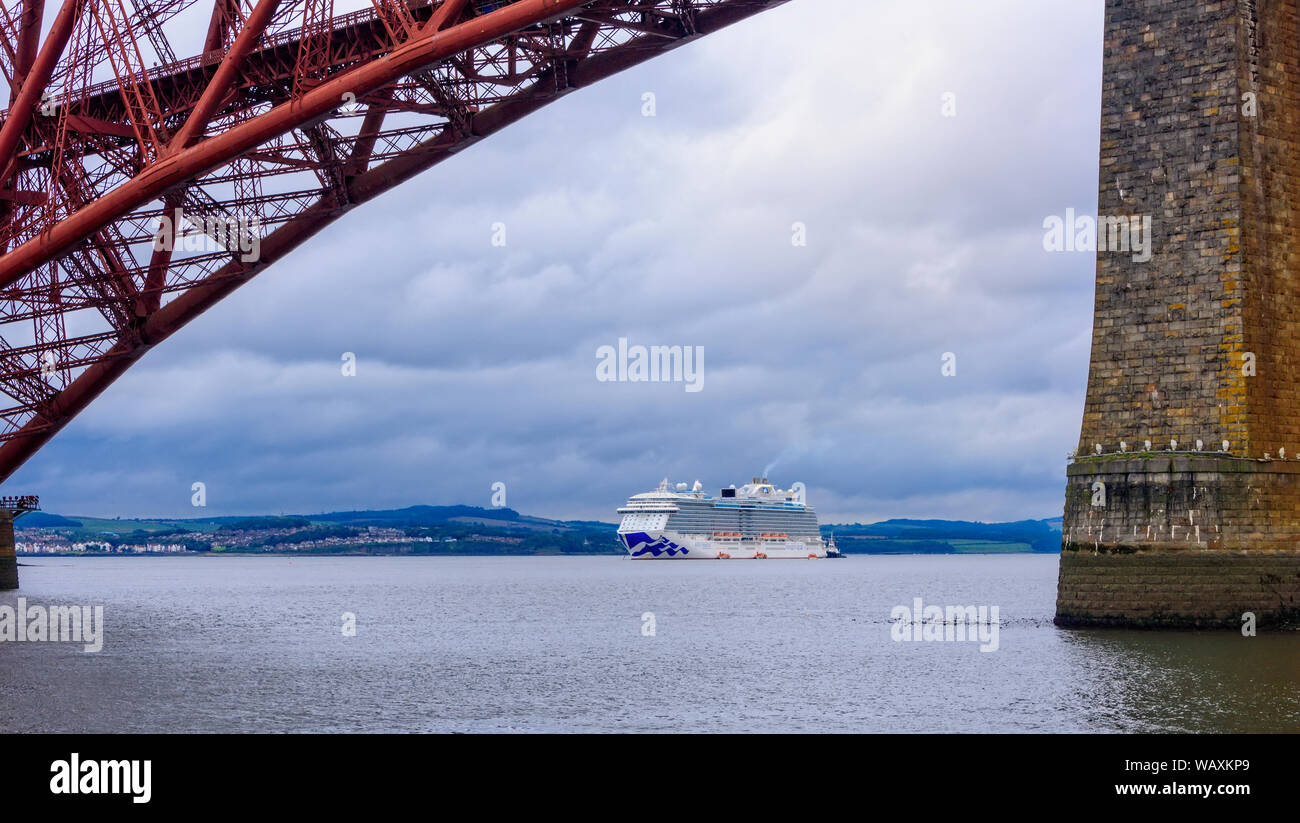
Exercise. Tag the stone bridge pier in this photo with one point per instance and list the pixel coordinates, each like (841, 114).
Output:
(11, 508)
(8, 559)
(1182, 503)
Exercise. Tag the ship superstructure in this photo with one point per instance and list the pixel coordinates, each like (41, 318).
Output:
(756, 520)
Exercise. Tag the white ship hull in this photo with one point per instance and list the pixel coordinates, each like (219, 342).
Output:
(673, 546)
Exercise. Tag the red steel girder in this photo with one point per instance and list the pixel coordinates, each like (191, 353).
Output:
(102, 273)
(175, 169)
(223, 81)
(25, 104)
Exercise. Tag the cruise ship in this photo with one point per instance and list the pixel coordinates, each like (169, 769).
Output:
(756, 520)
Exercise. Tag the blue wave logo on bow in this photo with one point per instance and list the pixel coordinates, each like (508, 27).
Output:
(639, 543)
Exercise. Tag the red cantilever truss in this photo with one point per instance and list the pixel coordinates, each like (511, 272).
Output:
(287, 118)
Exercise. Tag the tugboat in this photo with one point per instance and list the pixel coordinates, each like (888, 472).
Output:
(831, 550)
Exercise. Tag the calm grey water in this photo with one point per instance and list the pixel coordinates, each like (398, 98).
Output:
(207, 644)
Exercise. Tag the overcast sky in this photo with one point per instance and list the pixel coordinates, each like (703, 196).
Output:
(477, 364)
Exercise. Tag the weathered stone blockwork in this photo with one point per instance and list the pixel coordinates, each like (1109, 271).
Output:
(8, 560)
(1180, 540)
(1172, 589)
(1200, 130)
(1181, 501)
(1167, 333)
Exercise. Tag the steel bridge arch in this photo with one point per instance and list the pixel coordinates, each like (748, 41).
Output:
(289, 118)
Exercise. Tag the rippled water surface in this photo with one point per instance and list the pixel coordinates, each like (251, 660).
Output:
(557, 644)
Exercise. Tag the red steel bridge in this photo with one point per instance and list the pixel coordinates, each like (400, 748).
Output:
(140, 188)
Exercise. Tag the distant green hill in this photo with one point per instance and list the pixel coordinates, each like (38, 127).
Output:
(389, 518)
(448, 530)
(417, 516)
(945, 537)
(45, 520)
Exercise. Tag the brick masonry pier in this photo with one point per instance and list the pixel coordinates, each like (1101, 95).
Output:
(1183, 503)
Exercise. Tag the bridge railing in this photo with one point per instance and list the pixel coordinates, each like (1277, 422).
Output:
(265, 44)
